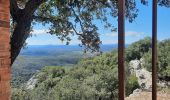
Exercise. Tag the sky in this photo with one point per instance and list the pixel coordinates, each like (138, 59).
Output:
(140, 28)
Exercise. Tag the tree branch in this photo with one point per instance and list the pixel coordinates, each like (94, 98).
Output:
(75, 30)
(52, 21)
(14, 9)
(78, 19)
(43, 18)
(23, 17)
(32, 5)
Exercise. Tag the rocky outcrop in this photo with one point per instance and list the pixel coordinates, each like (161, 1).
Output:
(148, 96)
(145, 82)
(31, 83)
(144, 76)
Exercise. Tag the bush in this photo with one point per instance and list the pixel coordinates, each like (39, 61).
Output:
(131, 84)
(137, 49)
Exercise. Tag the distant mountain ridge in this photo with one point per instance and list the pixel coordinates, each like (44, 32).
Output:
(47, 49)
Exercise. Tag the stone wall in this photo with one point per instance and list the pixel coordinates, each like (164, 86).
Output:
(4, 51)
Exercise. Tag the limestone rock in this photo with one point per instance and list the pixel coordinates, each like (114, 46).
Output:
(144, 76)
(31, 83)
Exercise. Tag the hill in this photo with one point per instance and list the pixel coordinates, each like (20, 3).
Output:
(34, 57)
(96, 78)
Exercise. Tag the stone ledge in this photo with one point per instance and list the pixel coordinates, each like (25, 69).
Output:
(148, 96)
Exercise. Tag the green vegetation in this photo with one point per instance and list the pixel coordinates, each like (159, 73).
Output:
(27, 65)
(163, 60)
(91, 79)
(94, 78)
(138, 49)
(142, 49)
(131, 84)
(34, 58)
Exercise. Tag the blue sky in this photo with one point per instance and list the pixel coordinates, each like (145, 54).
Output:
(140, 28)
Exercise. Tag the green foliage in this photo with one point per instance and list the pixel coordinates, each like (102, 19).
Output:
(163, 59)
(65, 16)
(34, 58)
(142, 49)
(91, 79)
(28, 63)
(20, 94)
(95, 78)
(50, 73)
(138, 49)
(147, 60)
(132, 84)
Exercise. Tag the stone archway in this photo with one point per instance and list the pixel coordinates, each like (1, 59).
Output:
(4, 51)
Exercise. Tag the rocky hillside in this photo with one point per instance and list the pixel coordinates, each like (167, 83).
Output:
(144, 76)
(145, 82)
(96, 78)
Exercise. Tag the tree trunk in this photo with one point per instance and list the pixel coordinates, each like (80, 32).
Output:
(23, 18)
(20, 34)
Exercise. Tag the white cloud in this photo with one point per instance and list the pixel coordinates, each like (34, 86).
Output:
(109, 41)
(133, 33)
(42, 31)
(114, 34)
(108, 38)
(39, 31)
(128, 33)
(40, 38)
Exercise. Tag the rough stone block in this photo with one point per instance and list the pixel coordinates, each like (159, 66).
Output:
(4, 63)
(4, 17)
(5, 54)
(5, 74)
(5, 69)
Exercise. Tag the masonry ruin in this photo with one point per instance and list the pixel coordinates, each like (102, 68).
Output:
(4, 51)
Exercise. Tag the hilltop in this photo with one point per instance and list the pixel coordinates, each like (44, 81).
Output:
(95, 78)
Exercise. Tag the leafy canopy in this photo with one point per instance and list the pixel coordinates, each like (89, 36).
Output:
(65, 18)
(77, 17)
(94, 78)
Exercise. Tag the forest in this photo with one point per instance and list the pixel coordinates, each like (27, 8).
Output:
(34, 57)
(95, 78)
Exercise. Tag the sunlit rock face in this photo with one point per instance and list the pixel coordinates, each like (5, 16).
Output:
(144, 76)
(31, 83)
(145, 82)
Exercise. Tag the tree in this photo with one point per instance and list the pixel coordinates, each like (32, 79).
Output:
(63, 16)
(91, 79)
(163, 60)
(138, 49)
